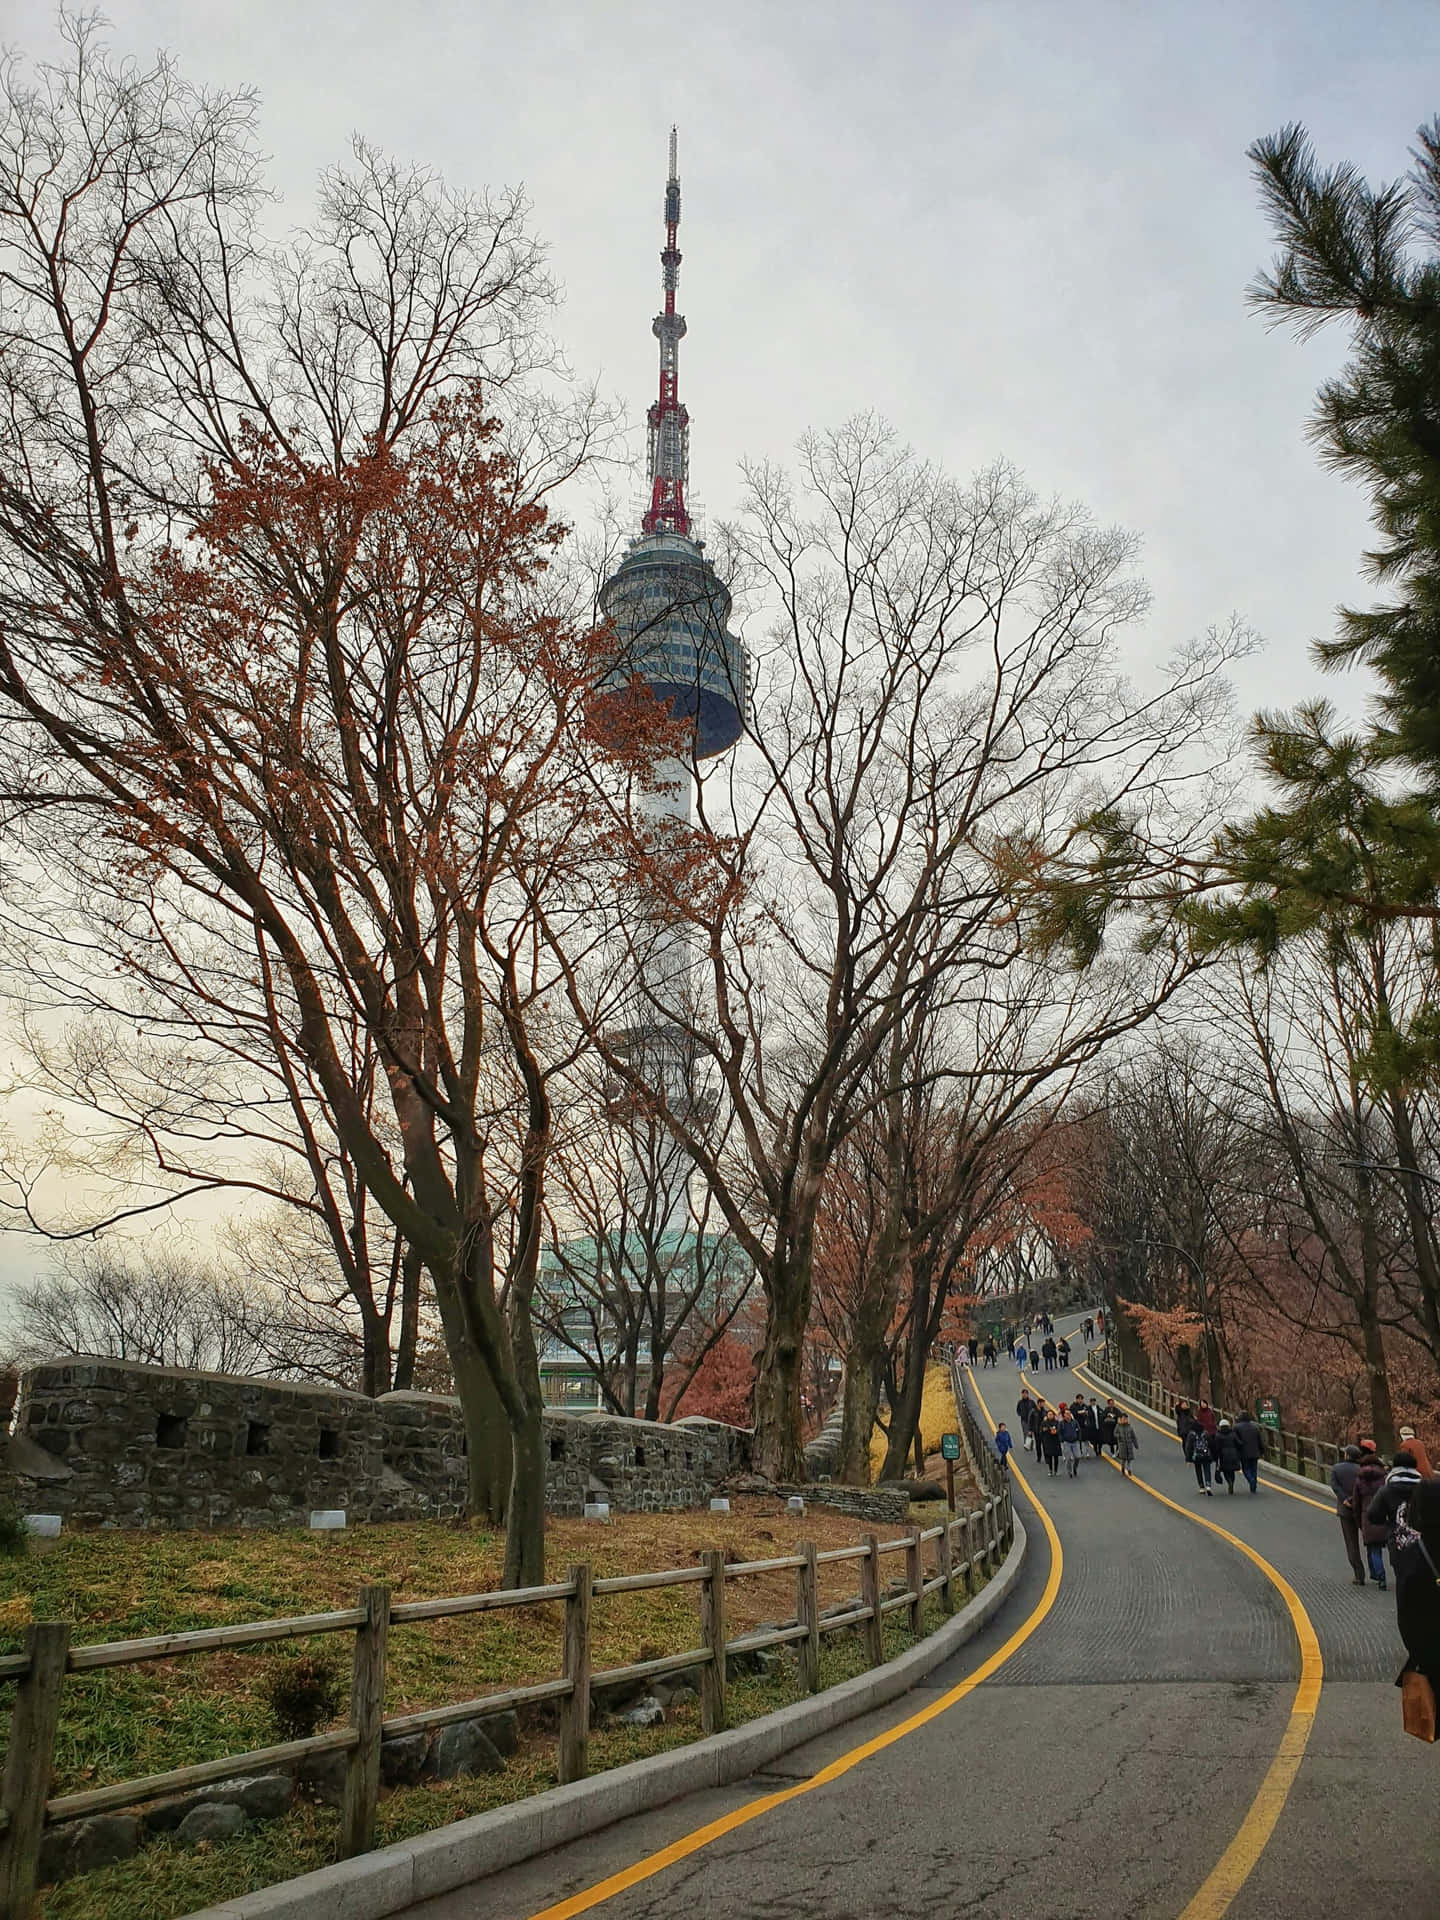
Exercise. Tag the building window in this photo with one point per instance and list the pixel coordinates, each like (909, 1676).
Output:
(170, 1431)
(257, 1437)
(329, 1443)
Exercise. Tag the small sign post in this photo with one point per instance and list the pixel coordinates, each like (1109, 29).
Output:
(1268, 1412)
(950, 1453)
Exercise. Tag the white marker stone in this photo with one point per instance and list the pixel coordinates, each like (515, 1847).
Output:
(45, 1525)
(720, 1506)
(327, 1519)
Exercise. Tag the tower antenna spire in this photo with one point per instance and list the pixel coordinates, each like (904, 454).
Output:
(668, 421)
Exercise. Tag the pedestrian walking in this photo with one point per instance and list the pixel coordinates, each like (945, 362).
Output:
(1062, 1351)
(1100, 1319)
(974, 1350)
(1400, 1483)
(1047, 1349)
(1034, 1359)
(989, 1353)
(1107, 1420)
(1417, 1584)
(1415, 1447)
(1227, 1454)
(1089, 1426)
(1368, 1482)
(1003, 1444)
(1342, 1484)
(1127, 1443)
(1197, 1452)
(1184, 1419)
(1050, 1443)
(1252, 1446)
(1037, 1421)
(1088, 1329)
(1208, 1419)
(1070, 1440)
(1024, 1407)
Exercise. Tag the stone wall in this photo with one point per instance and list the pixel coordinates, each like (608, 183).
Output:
(108, 1443)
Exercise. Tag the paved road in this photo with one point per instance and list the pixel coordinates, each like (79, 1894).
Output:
(1106, 1766)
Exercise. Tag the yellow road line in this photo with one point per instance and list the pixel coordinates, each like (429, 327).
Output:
(1241, 1856)
(705, 1836)
(1102, 1386)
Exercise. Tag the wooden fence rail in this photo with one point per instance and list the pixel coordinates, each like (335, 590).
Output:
(967, 1547)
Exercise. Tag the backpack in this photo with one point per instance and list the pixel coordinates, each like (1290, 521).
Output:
(1200, 1443)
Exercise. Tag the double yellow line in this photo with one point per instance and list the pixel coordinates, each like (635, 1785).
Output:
(1235, 1864)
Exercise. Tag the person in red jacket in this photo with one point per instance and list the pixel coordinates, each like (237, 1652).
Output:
(1416, 1447)
(1206, 1416)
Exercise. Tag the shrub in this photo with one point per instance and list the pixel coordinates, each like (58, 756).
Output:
(302, 1693)
(13, 1537)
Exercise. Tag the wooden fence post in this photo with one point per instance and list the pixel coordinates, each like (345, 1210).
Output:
(992, 1534)
(915, 1581)
(712, 1632)
(947, 1565)
(575, 1706)
(969, 1556)
(28, 1762)
(807, 1615)
(870, 1597)
(367, 1711)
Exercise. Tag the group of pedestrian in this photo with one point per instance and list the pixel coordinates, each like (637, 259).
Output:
(1064, 1432)
(1372, 1502)
(1218, 1447)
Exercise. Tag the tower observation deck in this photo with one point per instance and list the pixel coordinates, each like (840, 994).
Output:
(667, 605)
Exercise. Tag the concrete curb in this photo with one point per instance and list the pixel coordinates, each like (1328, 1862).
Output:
(393, 1878)
(1317, 1487)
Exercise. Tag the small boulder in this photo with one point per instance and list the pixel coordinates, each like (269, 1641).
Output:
(265, 1797)
(502, 1730)
(402, 1761)
(216, 1820)
(645, 1713)
(102, 1840)
(324, 1776)
(464, 1748)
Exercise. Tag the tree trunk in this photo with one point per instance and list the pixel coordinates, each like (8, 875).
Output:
(905, 1420)
(1377, 1376)
(375, 1353)
(487, 1429)
(412, 1268)
(861, 1391)
(778, 1369)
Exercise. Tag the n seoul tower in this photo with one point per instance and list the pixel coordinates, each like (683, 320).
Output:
(668, 609)
(666, 603)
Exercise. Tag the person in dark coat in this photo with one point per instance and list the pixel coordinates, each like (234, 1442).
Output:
(1089, 1426)
(1062, 1352)
(1368, 1482)
(1047, 1349)
(1034, 1359)
(1200, 1456)
(1227, 1453)
(1107, 1419)
(1400, 1483)
(1037, 1421)
(1184, 1420)
(1252, 1446)
(1127, 1443)
(1417, 1584)
(989, 1353)
(1070, 1440)
(1024, 1407)
(1342, 1485)
(1049, 1442)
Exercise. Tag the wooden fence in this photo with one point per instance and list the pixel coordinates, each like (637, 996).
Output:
(962, 1548)
(1298, 1451)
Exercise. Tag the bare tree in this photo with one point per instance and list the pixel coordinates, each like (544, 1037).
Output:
(278, 631)
(944, 769)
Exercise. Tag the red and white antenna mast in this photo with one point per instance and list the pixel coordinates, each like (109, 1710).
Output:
(669, 422)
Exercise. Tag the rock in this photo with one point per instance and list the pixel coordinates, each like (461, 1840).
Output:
(324, 1775)
(645, 1713)
(402, 1761)
(502, 1730)
(103, 1840)
(262, 1796)
(216, 1820)
(921, 1489)
(464, 1748)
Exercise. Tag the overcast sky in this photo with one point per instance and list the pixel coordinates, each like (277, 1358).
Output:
(1015, 227)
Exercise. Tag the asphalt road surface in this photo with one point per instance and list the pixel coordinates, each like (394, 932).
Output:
(1125, 1762)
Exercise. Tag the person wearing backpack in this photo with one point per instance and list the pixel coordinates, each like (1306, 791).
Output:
(1400, 1483)
(1368, 1482)
(1197, 1452)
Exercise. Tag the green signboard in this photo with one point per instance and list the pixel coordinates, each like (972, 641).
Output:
(949, 1446)
(1268, 1412)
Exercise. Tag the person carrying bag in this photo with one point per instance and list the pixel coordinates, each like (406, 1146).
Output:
(1416, 1558)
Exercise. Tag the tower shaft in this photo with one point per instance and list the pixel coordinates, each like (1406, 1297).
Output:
(668, 421)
